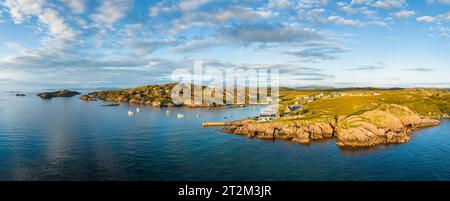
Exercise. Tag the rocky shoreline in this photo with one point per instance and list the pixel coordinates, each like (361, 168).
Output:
(388, 124)
(153, 95)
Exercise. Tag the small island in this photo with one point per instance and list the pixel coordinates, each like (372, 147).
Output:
(63, 93)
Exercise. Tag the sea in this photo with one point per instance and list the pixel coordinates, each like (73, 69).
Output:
(69, 139)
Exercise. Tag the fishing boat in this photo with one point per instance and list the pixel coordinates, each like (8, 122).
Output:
(130, 113)
(180, 116)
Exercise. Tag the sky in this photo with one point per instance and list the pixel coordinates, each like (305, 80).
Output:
(127, 43)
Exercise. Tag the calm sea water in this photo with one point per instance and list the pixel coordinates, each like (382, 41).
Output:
(67, 139)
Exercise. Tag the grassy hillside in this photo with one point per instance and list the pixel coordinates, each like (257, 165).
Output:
(433, 103)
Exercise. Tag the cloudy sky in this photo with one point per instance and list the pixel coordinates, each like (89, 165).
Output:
(121, 43)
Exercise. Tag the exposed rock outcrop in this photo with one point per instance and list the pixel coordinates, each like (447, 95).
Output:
(63, 93)
(88, 98)
(388, 124)
(296, 131)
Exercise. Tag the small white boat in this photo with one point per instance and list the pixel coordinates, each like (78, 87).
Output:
(168, 113)
(180, 116)
(130, 113)
(138, 110)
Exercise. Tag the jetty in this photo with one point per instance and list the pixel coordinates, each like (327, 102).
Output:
(215, 124)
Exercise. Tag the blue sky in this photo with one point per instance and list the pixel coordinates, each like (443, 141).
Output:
(124, 43)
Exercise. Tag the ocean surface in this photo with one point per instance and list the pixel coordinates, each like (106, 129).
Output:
(67, 139)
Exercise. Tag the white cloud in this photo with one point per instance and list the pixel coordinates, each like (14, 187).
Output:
(444, 17)
(161, 8)
(317, 53)
(145, 47)
(2, 20)
(311, 3)
(426, 19)
(197, 45)
(379, 23)
(403, 14)
(352, 9)
(188, 5)
(342, 21)
(77, 6)
(132, 29)
(268, 33)
(389, 4)
(111, 11)
(12, 75)
(204, 18)
(57, 26)
(359, 2)
(20, 10)
(282, 4)
(439, 24)
(438, 1)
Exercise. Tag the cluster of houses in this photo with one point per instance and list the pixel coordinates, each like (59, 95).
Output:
(293, 108)
(271, 114)
(321, 95)
(268, 114)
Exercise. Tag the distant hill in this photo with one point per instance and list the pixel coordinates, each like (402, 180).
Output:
(311, 87)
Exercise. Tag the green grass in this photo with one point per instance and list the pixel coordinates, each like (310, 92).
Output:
(426, 102)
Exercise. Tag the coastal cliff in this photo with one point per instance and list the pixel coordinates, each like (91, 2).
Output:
(387, 124)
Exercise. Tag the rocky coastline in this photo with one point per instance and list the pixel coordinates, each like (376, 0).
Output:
(388, 124)
(153, 95)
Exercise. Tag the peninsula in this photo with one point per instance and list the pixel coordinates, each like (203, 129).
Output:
(354, 117)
